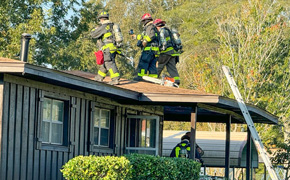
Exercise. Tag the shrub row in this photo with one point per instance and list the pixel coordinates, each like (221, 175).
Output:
(155, 167)
(96, 167)
(133, 166)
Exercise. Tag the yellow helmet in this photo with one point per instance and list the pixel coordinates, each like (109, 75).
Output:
(103, 14)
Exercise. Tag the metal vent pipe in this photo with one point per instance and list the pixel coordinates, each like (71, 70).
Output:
(25, 38)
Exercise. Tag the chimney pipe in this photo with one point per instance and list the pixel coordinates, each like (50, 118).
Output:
(24, 46)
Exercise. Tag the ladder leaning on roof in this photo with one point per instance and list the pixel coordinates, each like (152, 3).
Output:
(255, 136)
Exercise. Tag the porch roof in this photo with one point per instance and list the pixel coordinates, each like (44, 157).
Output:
(177, 102)
(213, 145)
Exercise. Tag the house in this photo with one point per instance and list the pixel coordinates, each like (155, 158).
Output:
(48, 117)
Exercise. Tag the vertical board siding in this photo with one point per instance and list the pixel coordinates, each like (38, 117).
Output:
(48, 165)
(24, 134)
(42, 164)
(86, 130)
(72, 126)
(77, 126)
(17, 131)
(30, 147)
(20, 157)
(11, 128)
(1, 111)
(59, 165)
(117, 130)
(54, 165)
(82, 127)
(4, 143)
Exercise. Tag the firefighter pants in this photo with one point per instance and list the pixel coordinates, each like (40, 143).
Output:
(147, 62)
(109, 65)
(170, 63)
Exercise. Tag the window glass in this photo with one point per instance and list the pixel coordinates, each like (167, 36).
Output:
(148, 133)
(104, 137)
(143, 133)
(101, 123)
(152, 133)
(57, 110)
(52, 121)
(96, 135)
(45, 131)
(105, 115)
(46, 109)
(96, 117)
(56, 133)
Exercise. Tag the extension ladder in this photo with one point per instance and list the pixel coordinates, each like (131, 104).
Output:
(255, 136)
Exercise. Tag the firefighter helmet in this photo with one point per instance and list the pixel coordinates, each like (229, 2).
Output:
(103, 14)
(146, 16)
(159, 22)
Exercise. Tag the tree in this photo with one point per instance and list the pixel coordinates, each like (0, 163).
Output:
(282, 157)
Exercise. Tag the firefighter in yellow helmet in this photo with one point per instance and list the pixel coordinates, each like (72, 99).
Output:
(148, 41)
(105, 33)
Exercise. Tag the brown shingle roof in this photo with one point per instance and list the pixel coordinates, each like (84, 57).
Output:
(142, 87)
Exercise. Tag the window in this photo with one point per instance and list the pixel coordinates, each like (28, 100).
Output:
(52, 121)
(52, 131)
(101, 124)
(143, 134)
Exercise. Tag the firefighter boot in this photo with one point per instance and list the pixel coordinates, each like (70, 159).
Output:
(114, 82)
(138, 78)
(99, 78)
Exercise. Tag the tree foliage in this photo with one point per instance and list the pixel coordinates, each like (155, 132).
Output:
(282, 157)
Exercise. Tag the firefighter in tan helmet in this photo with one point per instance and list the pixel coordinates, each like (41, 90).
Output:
(111, 39)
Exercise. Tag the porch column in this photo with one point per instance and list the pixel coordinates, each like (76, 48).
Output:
(265, 172)
(227, 153)
(248, 157)
(192, 134)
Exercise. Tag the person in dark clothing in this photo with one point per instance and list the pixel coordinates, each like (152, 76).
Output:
(182, 149)
(105, 34)
(198, 148)
(148, 41)
(168, 56)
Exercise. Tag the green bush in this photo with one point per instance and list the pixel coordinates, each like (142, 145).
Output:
(133, 166)
(96, 167)
(154, 167)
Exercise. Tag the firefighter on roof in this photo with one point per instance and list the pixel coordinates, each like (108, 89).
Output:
(111, 39)
(148, 41)
(168, 51)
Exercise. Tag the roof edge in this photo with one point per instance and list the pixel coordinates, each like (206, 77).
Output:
(180, 98)
(252, 108)
(13, 66)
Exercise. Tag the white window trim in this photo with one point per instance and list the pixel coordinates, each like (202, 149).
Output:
(157, 133)
(54, 122)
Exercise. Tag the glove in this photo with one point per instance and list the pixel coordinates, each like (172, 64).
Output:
(144, 43)
(139, 43)
(119, 45)
(162, 48)
(139, 37)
